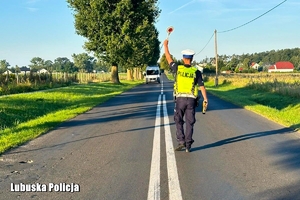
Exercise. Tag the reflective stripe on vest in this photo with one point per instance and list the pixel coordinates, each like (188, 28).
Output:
(185, 82)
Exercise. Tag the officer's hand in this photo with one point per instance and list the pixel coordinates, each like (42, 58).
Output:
(166, 42)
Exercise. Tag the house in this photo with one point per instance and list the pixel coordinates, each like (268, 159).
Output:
(226, 72)
(7, 71)
(254, 65)
(24, 69)
(283, 66)
(42, 71)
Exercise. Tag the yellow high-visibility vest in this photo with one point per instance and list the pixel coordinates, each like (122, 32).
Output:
(185, 82)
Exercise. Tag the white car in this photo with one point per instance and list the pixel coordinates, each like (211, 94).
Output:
(152, 74)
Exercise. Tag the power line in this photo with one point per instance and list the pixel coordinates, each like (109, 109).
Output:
(241, 25)
(206, 44)
(253, 19)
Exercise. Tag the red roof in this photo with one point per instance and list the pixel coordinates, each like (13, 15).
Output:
(283, 65)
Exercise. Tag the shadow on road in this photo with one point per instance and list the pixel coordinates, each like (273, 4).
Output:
(244, 137)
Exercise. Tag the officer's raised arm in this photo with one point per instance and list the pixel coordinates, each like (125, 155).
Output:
(167, 53)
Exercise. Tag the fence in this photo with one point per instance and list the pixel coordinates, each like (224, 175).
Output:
(281, 83)
(18, 83)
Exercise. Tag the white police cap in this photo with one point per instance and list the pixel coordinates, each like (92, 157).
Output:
(187, 53)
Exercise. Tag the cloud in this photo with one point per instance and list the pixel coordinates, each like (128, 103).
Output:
(215, 3)
(182, 6)
(31, 5)
(32, 1)
(32, 9)
(242, 9)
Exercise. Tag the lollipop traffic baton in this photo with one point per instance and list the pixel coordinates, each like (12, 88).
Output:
(170, 29)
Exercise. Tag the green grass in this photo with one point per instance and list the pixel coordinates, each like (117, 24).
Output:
(282, 108)
(279, 108)
(169, 76)
(24, 117)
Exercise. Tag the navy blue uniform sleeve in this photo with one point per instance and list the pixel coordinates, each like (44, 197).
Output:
(174, 67)
(199, 79)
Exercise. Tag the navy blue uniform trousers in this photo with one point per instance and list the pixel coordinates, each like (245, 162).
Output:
(185, 107)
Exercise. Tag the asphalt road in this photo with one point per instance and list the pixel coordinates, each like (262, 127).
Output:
(123, 150)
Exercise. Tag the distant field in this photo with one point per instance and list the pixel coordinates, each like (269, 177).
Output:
(274, 96)
(287, 84)
(29, 83)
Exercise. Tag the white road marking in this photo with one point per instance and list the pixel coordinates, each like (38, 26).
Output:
(174, 186)
(154, 182)
(162, 87)
(173, 180)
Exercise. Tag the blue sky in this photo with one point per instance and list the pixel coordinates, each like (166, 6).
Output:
(45, 28)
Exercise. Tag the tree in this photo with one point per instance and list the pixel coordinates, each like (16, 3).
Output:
(209, 68)
(246, 63)
(146, 49)
(100, 65)
(48, 64)
(63, 64)
(233, 63)
(164, 63)
(220, 64)
(114, 29)
(3, 65)
(37, 63)
(4, 68)
(83, 61)
(17, 71)
(296, 62)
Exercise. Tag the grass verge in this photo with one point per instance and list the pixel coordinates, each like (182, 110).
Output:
(24, 117)
(276, 107)
(282, 109)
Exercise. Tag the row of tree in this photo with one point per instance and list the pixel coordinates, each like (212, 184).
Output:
(86, 63)
(81, 63)
(238, 62)
(264, 59)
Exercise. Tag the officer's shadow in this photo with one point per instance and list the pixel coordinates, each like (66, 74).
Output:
(243, 137)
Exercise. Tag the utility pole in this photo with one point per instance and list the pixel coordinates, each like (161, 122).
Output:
(216, 55)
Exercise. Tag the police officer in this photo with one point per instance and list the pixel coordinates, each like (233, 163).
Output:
(186, 94)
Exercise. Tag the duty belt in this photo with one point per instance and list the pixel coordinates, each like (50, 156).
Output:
(185, 95)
